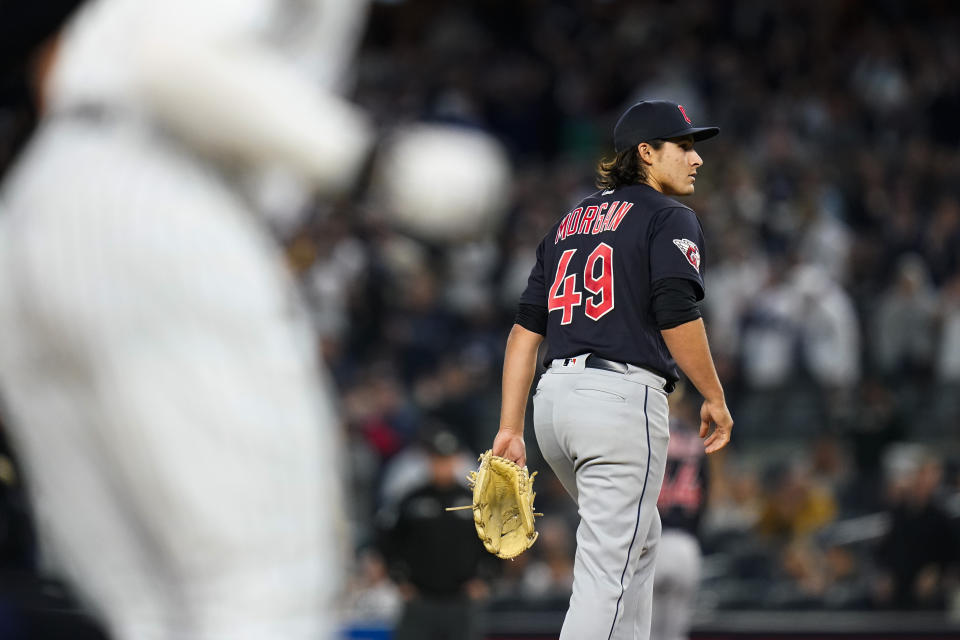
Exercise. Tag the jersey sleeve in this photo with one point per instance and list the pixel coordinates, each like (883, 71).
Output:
(676, 247)
(536, 291)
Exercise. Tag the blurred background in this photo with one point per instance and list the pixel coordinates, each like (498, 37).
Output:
(831, 209)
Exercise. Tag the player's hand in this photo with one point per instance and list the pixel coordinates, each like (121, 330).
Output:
(509, 444)
(715, 413)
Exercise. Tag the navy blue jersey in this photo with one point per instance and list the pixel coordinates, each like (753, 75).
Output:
(596, 267)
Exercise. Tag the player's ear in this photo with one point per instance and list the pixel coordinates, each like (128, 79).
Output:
(645, 153)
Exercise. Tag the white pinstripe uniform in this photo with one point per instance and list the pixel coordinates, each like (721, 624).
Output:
(160, 381)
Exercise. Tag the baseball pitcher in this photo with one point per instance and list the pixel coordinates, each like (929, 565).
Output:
(616, 290)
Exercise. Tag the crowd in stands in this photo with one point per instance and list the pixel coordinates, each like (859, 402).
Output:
(831, 207)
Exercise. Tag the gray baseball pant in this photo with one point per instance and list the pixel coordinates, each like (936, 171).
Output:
(605, 436)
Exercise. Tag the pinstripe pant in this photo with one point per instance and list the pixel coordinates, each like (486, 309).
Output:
(605, 435)
(163, 393)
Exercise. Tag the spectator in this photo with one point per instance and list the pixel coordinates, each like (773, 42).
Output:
(371, 597)
(434, 555)
(942, 242)
(794, 505)
(771, 333)
(829, 329)
(948, 355)
(736, 501)
(921, 546)
(822, 575)
(802, 317)
(549, 577)
(904, 324)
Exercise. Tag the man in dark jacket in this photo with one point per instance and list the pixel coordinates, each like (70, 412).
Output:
(434, 554)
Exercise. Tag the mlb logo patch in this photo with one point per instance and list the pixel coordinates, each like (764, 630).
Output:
(690, 251)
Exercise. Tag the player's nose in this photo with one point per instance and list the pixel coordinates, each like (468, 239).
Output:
(695, 159)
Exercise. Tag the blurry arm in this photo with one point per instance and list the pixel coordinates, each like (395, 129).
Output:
(339, 34)
(688, 346)
(226, 92)
(519, 367)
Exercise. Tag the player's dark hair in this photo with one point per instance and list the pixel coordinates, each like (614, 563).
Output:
(624, 168)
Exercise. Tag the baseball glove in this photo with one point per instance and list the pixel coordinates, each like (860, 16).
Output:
(503, 506)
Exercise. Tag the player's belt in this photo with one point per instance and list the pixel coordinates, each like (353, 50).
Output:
(97, 113)
(117, 118)
(593, 362)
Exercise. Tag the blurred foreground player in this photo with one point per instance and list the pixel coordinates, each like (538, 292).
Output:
(162, 389)
(615, 290)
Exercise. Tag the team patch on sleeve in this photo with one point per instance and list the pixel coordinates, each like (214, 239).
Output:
(690, 251)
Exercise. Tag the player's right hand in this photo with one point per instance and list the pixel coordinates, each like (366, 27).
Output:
(509, 444)
(718, 414)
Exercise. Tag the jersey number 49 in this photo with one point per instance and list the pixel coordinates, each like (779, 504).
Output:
(597, 279)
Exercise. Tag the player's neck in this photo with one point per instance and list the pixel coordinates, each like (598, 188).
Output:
(653, 183)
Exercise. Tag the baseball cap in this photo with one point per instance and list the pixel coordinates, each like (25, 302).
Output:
(441, 442)
(656, 119)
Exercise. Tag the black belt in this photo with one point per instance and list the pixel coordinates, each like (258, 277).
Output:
(100, 114)
(595, 362)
